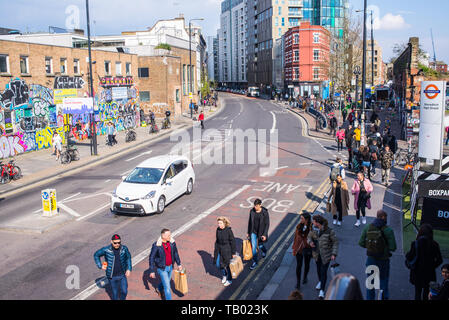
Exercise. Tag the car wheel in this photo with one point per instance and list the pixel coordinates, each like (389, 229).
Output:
(189, 186)
(161, 205)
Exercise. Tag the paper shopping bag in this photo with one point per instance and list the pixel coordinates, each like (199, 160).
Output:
(236, 266)
(247, 250)
(181, 281)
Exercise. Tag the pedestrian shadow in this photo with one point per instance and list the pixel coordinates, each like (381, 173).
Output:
(208, 263)
(104, 283)
(151, 284)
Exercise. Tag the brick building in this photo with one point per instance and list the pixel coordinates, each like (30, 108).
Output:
(306, 53)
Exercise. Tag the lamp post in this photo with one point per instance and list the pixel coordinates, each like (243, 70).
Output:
(357, 73)
(364, 74)
(93, 140)
(372, 50)
(190, 64)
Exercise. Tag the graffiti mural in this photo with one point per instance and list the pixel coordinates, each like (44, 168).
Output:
(66, 82)
(16, 94)
(11, 146)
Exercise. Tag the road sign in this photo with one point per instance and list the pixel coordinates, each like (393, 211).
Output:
(49, 203)
(190, 95)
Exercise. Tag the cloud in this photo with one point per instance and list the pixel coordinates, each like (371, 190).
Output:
(390, 22)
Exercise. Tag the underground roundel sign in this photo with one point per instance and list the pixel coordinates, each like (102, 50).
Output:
(431, 91)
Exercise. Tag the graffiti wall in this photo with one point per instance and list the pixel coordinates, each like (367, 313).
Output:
(30, 113)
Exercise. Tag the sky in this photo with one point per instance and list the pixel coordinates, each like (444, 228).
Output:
(395, 20)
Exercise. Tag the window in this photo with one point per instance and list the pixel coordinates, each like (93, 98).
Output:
(296, 39)
(177, 95)
(107, 67)
(280, 11)
(48, 65)
(283, 22)
(63, 65)
(4, 63)
(118, 68)
(179, 166)
(316, 38)
(316, 55)
(23, 64)
(184, 72)
(296, 76)
(76, 66)
(316, 73)
(296, 52)
(144, 72)
(276, 22)
(128, 68)
(144, 96)
(280, 32)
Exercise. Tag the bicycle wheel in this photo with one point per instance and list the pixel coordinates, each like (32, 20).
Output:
(18, 173)
(76, 155)
(65, 158)
(4, 178)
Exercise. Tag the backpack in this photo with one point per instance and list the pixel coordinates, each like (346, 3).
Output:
(335, 172)
(375, 241)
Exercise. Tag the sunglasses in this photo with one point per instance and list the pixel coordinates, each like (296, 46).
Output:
(116, 242)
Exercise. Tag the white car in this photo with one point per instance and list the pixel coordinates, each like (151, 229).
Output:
(153, 184)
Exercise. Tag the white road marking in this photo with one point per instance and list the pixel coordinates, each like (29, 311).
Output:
(274, 122)
(126, 173)
(107, 181)
(69, 210)
(305, 164)
(94, 212)
(89, 196)
(144, 254)
(72, 196)
(142, 154)
(282, 168)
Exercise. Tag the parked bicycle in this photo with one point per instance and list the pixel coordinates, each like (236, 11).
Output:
(9, 171)
(153, 127)
(70, 154)
(404, 157)
(131, 135)
(166, 124)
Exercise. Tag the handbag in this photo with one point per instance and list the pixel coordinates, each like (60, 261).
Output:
(411, 264)
(236, 266)
(181, 281)
(247, 250)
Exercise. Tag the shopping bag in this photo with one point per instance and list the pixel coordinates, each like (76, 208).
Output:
(236, 266)
(328, 206)
(247, 250)
(181, 281)
(335, 269)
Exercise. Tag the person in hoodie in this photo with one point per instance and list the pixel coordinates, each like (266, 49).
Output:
(378, 232)
(301, 249)
(258, 225)
(225, 249)
(164, 254)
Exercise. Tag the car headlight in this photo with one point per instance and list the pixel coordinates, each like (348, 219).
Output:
(149, 196)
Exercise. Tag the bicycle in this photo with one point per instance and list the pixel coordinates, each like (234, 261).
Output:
(166, 124)
(404, 157)
(130, 135)
(154, 128)
(70, 154)
(10, 171)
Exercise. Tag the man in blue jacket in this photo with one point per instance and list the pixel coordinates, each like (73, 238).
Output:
(163, 256)
(117, 265)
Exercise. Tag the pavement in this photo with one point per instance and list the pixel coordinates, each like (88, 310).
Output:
(351, 257)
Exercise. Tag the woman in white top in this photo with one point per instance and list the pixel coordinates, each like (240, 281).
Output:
(57, 144)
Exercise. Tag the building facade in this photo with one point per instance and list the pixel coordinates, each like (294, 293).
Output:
(379, 66)
(306, 52)
(326, 13)
(232, 43)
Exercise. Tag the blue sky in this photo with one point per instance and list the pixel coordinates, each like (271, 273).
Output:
(397, 20)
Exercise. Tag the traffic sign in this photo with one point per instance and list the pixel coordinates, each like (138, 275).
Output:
(190, 95)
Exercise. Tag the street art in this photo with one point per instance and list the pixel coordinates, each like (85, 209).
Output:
(16, 94)
(40, 92)
(11, 146)
(65, 82)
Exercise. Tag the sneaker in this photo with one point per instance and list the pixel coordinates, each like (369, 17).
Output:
(253, 266)
(227, 283)
(357, 223)
(321, 295)
(339, 223)
(318, 286)
(224, 279)
(364, 220)
(334, 222)
(305, 281)
(263, 253)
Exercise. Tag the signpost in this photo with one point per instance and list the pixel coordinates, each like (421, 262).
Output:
(431, 125)
(78, 105)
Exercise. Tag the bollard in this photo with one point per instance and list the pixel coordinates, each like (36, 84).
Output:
(53, 202)
(49, 203)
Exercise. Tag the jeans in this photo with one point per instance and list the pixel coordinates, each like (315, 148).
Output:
(119, 283)
(300, 256)
(165, 275)
(384, 274)
(386, 175)
(225, 272)
(422, 293)
(373, 166)
(361, 204)
(321, 270)
(339, 145)
(254, 247)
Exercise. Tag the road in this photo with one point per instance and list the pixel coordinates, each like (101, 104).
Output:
(34, 266)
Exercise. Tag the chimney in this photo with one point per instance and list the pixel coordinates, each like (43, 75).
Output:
(79, 31)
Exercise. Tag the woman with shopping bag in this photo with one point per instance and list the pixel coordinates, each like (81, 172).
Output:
(225, 249)
(301, 249)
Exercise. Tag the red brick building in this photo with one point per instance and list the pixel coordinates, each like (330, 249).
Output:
(306, 52)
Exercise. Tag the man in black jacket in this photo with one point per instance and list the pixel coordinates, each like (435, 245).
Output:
(163, 256)
(258, 225)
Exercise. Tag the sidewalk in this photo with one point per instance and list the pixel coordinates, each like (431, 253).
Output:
(39, 167)
(352, 257)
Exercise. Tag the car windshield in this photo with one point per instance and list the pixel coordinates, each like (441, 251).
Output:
(145, 176)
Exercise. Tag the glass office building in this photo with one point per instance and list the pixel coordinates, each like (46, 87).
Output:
(327, 13)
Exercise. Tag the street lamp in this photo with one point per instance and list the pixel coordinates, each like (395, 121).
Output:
(93, 140)
(357, 73)
(364, 74)
(372, 46)
(190, 64)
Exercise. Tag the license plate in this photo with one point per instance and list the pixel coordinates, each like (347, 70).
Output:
(127, 206)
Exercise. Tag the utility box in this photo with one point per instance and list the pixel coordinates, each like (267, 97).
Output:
(49, 203)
